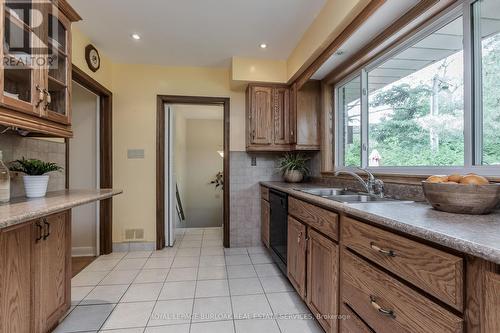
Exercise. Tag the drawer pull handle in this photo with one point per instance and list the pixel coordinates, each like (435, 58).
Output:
(299, 237)
(385, 312)
(389, 253)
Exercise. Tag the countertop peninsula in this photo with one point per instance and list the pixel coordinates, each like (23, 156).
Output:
(20, 210)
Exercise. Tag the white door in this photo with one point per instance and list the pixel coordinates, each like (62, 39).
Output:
(170, 177)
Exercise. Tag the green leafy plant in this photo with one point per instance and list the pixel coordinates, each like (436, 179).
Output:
(291, 161)
(33, 167)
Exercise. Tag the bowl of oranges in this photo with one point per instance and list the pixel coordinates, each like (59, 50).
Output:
(462, 194)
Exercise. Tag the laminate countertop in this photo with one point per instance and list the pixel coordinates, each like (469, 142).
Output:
(20, 210)
(475, 235)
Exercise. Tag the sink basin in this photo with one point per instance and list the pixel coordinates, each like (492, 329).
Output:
(327, 192)
(357, 198)
(345, 196)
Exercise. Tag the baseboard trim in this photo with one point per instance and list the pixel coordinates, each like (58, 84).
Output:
(83, 251)
(133, 246)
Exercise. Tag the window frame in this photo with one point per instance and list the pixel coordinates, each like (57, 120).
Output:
(472, 97)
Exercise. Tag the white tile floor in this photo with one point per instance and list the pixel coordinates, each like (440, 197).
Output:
(195, 287)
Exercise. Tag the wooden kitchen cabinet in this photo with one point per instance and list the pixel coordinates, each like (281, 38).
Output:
(296, 255)
(35, 274)
(283, 118)
(268, 123)
(322, 279)
(305, 111)
(35, 76)
(16, 278)
(52, 271)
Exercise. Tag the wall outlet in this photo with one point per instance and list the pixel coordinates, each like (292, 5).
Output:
(253, 161)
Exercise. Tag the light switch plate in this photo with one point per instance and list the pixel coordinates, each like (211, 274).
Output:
(135, 153)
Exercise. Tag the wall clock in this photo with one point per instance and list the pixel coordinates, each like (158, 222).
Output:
(92, 57)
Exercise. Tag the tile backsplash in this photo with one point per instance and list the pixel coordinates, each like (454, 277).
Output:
(15, 147)
(245, 192)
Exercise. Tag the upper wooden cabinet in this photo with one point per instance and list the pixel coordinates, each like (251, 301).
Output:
(35, 72)
(282, 118)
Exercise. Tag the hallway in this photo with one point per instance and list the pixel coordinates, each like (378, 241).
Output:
(197, 286)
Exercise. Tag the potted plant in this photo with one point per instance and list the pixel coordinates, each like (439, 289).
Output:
(293, 167)
(35, 178)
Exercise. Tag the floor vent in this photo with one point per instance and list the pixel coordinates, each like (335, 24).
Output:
(134, 234)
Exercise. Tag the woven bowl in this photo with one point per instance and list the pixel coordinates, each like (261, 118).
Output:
(462, 199)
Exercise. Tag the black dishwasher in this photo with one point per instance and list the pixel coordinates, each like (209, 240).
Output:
(278, 227)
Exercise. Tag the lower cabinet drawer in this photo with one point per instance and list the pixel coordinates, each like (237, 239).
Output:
(350, 322)
(387, 305)
(438, 273)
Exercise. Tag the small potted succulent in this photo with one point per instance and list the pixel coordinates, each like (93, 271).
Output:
(293, 167)
(35, 175)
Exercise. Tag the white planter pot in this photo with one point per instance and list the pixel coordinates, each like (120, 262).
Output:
(293, 176)
(35, 186)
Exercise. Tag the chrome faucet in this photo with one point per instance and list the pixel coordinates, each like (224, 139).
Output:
(372, 185)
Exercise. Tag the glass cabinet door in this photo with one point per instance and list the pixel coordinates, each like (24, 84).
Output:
(19, 52)
(58, 77)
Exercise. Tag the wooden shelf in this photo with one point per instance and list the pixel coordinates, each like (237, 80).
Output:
(56, 85)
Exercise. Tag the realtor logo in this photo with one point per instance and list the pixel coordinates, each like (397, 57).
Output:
(33, 36)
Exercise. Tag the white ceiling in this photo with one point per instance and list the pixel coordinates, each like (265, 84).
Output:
(195, 32)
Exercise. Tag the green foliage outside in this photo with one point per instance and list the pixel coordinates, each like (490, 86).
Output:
(403, 138)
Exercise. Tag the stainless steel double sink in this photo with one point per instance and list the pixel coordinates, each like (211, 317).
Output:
(345, 196)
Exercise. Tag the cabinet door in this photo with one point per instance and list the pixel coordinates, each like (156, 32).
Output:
(52, 272)
(296, 255)
(261, 115)
(57, 78)
(264, 220)
(322, 277)
(281, 110)
(15, 279)
(492, 302)
(20, 52)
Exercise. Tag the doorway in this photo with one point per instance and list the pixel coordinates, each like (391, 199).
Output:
(105, 135)
(194, 168)
(83, 169)
(168, 194)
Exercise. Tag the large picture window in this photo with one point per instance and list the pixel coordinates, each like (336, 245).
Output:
(431, 103)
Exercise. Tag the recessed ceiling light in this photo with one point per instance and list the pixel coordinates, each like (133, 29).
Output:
(135, 36)
(263, 45)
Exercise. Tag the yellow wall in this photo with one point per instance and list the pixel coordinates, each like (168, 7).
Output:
(135, 88)
(79, 42)
(333, 18)
(244, 70)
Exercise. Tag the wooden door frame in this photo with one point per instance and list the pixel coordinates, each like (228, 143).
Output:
(160, 159)
(105, 155)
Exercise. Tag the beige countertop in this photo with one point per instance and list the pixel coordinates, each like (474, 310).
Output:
(476, 235)
(20, 210)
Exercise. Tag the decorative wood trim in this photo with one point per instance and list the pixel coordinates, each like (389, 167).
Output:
(161, 100)
(335, 45)
(34, 124)
(69, 11)
(105, 157)
(405, 26)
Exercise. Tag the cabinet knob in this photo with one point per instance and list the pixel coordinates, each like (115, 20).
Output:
(385, 312)
(41, 95)
(48, 99)
(389, 253)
